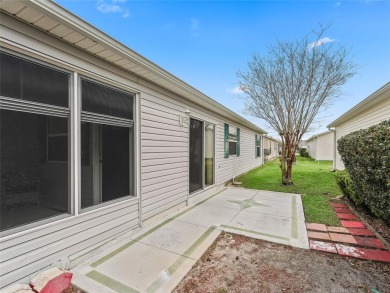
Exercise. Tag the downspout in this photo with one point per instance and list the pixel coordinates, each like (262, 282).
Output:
(334, 147)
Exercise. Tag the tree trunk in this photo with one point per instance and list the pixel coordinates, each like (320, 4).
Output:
(287, 157)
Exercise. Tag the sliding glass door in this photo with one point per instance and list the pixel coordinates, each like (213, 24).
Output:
(201, 155)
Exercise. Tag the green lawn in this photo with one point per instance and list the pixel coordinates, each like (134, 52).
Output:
(313, 180)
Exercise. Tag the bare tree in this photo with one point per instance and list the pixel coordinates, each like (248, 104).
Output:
(291, 84)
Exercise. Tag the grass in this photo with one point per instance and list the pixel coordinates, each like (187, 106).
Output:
(313, 180)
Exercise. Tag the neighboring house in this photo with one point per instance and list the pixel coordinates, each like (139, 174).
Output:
(303, 144)
(320, 146)
(371, 111)
(273, 145)
(97, 141)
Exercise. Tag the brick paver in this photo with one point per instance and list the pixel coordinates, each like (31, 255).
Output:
(353, 239)
(316, 227)
(318, 235)
(339, 205)
(370, 242)
(360, 232)
(343, 238)
(338, 230)
(343, 210)
(346, 216)
(322, 246)
(352, 224)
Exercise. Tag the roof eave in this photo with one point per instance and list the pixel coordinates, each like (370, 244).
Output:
(375, 98)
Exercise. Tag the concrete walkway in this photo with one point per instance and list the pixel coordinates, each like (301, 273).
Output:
(156, 258)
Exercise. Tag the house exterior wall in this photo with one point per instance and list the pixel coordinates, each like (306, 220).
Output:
(161, 163)
(321, 147)
(312, 148)
(372, 116)
(273, 146)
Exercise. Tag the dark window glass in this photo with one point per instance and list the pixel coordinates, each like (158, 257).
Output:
(31, 188)
(57, 139)
(232, 148)
(258, 152)
(23, 79)
(196, 155)
(107, 176)
(101, 99)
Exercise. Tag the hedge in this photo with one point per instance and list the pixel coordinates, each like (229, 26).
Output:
(346, 186)
(366, 156)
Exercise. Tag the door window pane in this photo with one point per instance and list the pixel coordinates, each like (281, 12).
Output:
(196, 155)
(107, 176)
(209, 153)
(32, 188)
(26, 80)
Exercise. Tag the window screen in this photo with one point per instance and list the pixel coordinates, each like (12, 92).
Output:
(23, 79)
(104, 100)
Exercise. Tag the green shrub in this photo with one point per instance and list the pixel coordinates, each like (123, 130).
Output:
(303, 152)
(267, 152)
(346, 186)
(366, 156)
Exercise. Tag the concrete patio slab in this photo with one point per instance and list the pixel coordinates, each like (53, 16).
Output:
(207, 215)
(157, 257)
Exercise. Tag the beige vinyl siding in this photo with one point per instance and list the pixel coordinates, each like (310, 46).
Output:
(271, 145)
(325, 145)
(372, 116)
(321, 147)
(312, 148)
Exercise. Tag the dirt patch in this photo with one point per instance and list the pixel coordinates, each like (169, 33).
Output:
(73, 289)
(242, 264)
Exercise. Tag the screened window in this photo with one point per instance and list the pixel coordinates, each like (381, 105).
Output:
(107, 154)
(34, 119)
(101, 99)
(232, 141)
(25, 80)
(57, 139)
(258, 146)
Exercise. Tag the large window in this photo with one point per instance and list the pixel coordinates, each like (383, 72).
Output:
(107, 153)
(34, 118)
(35, 135)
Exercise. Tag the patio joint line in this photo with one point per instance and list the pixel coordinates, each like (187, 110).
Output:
(110, 283)
(127, 245)
(294, 219)
(255, 232)
(186, 255)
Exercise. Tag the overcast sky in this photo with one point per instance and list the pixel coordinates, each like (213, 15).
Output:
(205, 43)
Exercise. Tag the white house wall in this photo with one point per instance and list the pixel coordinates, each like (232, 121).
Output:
(369, 117)
(273, 146)
(312, 148)
(325, 145)
(162, 162)
(321, 147)
(165, 151)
